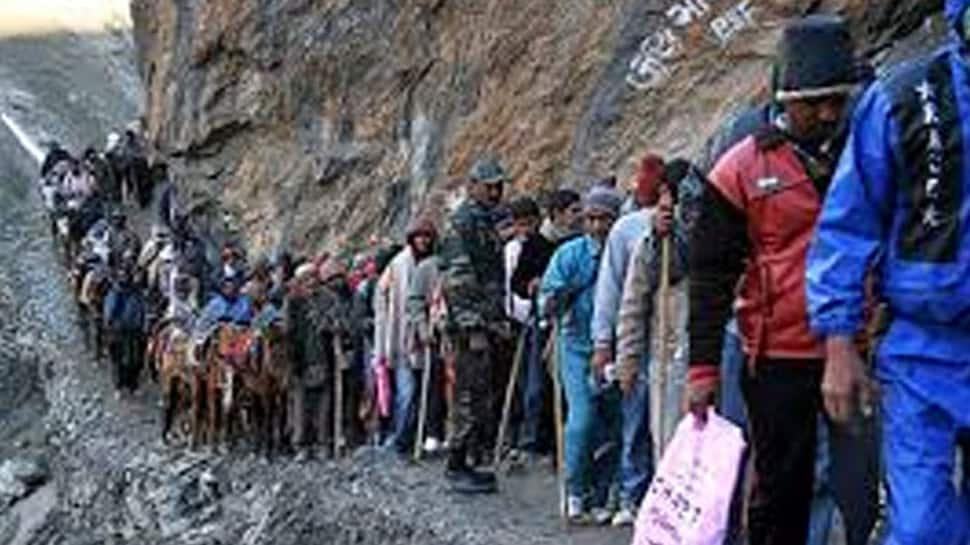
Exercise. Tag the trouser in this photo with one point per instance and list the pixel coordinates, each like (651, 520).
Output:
(404, 416)
(537, 435)
(407, 405)
(731, 403)
(312, 421)
(434, 425)
(472, 398)
(501, 375)
(783, 400)
(636, 458)
(926, 417)
(593, 434)
(127, 350)
(733, 362)
(847, 478)
(354, 387)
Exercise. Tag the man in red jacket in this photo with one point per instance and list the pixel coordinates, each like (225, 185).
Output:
(756, 221)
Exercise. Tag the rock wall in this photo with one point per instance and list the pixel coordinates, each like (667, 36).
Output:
(337, 119)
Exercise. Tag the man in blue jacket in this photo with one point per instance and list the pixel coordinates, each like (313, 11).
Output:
(594, 409)
(900, 206)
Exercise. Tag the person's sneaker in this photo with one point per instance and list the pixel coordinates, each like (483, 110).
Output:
(601, 515)
(469, 481)
(432, 446)
(576, 512)
(624, 517)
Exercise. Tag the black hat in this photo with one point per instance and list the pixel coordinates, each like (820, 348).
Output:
(816, 58)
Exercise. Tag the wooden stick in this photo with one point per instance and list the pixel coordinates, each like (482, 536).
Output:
(423, 406)
(663, 318)
(509, 394)
(338, 388)
(557, 411)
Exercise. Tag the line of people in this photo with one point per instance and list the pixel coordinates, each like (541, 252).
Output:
(748, 281)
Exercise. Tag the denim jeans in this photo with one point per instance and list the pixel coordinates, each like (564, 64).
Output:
(592, 428)
(823, 501)
(605, 466)
(732, 368)
(636, 459)
(405, 406)
(732, 408)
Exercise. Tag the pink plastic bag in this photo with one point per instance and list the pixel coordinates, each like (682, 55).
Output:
(689, 500)
(382, 377)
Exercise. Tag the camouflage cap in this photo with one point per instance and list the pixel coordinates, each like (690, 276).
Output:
(488, 170)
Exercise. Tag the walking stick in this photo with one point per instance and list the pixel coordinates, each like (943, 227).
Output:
(423, 406)
(663, 317)
(509, 394)
(338, 388)
(557, 412)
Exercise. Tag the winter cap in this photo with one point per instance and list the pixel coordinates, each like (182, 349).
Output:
(304, 271)
(331, 269)
(816, 58)
(422, 225)
(649, 178)
(603, 199)
(488, 170)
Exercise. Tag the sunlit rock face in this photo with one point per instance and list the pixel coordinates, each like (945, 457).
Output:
(36, 17)
(331, 119)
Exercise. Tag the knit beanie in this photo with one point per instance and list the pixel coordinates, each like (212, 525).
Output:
(421, 225)
(603, 199)
(816, 58)
(649, 178)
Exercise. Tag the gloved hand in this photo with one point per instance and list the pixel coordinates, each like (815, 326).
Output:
(703, 384)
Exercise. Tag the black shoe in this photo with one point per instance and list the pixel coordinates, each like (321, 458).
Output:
(485, 477)
(468, 481)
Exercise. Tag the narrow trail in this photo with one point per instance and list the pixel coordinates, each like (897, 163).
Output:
(115, 478)
(114, 481)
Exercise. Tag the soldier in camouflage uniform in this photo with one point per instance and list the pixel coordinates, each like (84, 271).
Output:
(473, 283)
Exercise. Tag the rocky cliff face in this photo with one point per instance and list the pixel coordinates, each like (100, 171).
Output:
(338, 118)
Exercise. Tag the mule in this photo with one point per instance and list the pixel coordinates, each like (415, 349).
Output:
(269, 384)
(229, 353)
(182, 379)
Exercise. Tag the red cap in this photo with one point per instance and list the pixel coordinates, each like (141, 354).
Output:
(649, 178)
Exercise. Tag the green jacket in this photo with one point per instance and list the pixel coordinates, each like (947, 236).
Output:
(472, 268)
